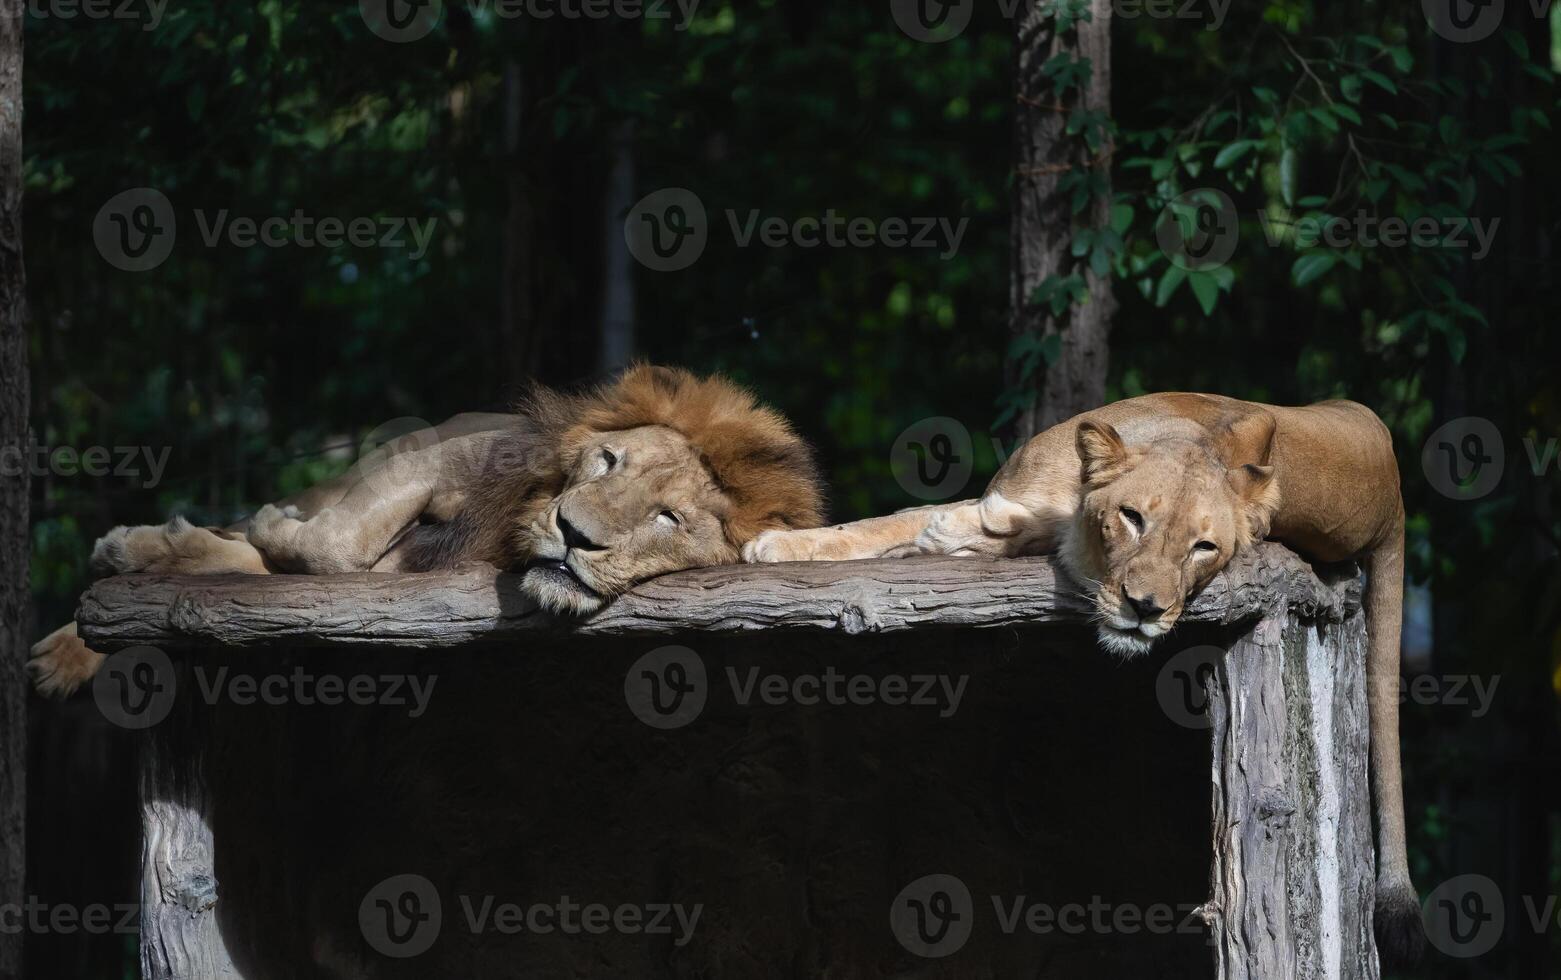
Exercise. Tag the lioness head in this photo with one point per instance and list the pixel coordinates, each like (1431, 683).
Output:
(660, 471)
(1154, 524)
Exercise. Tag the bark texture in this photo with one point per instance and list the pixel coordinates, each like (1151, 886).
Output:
(1292, 882)
(480, 605)
(180, 937)
(1043, 219)
(14, 434)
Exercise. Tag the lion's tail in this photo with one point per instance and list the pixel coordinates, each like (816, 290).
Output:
(1400, 931)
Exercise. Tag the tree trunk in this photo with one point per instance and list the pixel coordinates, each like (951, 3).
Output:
(1043, 222)
(13, 493)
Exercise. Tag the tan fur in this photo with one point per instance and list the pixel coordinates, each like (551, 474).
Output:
(1146, 499)
(697, 468)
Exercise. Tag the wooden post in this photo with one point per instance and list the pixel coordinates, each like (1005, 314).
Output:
(796, 827)
(180, 937)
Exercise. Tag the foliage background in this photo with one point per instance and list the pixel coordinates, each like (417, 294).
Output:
(262, 369)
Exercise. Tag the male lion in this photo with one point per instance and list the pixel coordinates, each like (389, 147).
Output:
(589, 494)
(1146, 499)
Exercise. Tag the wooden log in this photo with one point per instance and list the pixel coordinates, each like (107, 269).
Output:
(481, 605)
(1290, 874)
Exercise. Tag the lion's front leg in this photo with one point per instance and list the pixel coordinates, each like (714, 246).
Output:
(353, 533)
(876, 537)
(992, 526)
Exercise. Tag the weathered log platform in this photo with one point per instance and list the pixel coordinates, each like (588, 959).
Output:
(921, 767)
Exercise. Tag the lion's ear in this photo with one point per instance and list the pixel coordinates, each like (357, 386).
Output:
(1250, 439)
(1101, 449)
(1259, 492)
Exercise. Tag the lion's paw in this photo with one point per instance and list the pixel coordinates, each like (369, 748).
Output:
(273, 528)
(60, 663)
(147, 547)
(777, 546)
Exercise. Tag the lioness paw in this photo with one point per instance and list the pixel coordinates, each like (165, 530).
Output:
(776, 546)
(147, 547)
(177, 547)
(60, 663)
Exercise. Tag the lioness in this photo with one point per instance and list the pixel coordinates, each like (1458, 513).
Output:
(589, 494)
(1146, 499)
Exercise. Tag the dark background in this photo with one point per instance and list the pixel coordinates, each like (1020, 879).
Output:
(263, 369)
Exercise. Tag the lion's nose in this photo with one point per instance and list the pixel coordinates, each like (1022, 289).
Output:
(1147, 606)
(572, 536)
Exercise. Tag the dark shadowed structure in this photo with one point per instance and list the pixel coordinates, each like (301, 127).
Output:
(873, 769)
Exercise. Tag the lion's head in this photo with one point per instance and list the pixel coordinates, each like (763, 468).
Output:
(1156, 521)
(659, 471)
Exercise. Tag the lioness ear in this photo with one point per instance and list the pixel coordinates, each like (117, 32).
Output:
(1100, 449)
(1259, 492)
(1250, 439)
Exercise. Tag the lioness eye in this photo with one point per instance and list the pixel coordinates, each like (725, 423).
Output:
(670, 516)
(1134, 518)
(609, 457)
(1205, 546)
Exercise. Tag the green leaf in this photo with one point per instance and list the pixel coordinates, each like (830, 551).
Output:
(1173, 278)
(1206, 289)
(1379, 80)
(1121, 218)
(1051, 347)
(1350, 85)
(1233, 152)
(1312, 266)
(1289, 165)
(1326, 118)
(1346, 112)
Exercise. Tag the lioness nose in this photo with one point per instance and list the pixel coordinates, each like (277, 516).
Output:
(572, 536)
(1147, 606)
